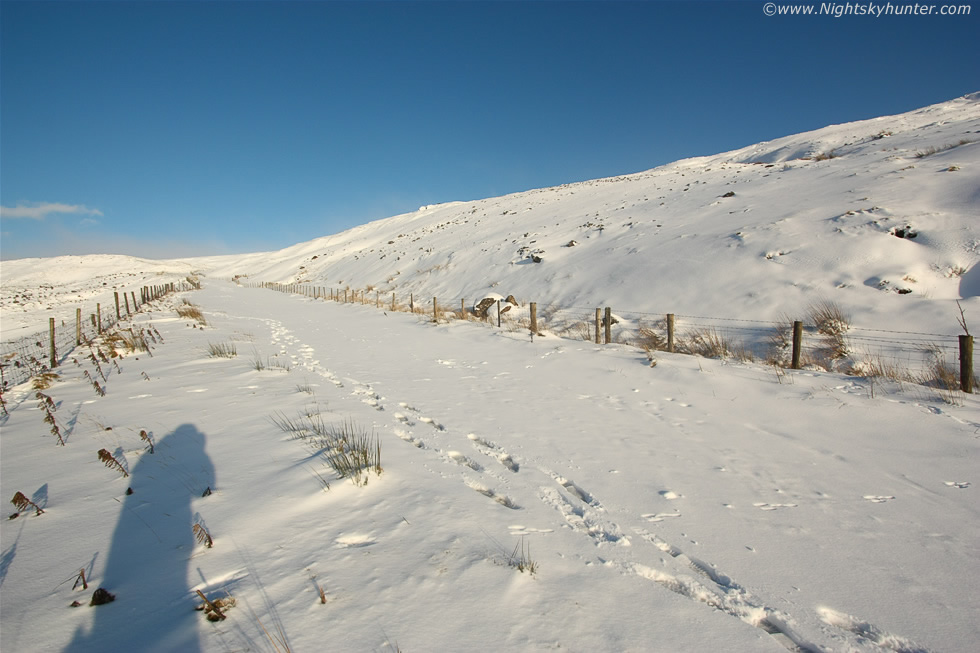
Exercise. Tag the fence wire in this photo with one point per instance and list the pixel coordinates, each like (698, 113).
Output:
(27, 356)
(903, 355)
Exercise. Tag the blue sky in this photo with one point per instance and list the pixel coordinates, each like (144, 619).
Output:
(165, 129)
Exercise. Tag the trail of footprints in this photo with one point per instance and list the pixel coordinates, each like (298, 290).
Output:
(584, 513)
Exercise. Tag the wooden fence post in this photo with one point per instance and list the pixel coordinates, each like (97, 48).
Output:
(498, 313)
(126, 297)
(598, 323)
(98, 311)
(392, 302)
(534, 318)
(118, 316)
(462, 309)
(797, 344)
(78, 326)
(608, 325)
(435, 310)
(411, 302)
(54, 359)
(966, 364)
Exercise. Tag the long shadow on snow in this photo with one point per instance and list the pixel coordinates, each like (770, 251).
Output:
(148, 559)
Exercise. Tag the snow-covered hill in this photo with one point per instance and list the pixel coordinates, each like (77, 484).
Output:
(749, 234)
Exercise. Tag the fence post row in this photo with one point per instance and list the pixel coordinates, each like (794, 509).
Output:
(146, 294)
(603, 324)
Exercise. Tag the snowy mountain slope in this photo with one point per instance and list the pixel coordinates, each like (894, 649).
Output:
(750, 233)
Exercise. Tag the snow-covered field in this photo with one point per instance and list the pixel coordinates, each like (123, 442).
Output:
(697, 505)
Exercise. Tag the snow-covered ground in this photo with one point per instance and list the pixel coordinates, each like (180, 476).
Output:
(697, 504)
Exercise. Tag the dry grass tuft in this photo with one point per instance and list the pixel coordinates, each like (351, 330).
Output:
(832, 322)
(943, 377)
(222, 350)
(521, 559)
(202, 535)
(111, 462)
(653, 338)
(351, 451)
(707, 342)
(22, 503)
(189, 311)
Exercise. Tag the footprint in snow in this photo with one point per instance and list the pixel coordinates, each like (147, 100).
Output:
(436, 425)
(508, 462)
(877, 499)
(957, 484)
(491, 449)
(404, 420)
(502, 499)
(460, 459)
(575, 490)
(407, 437)
(660, 516)
(355, 541)
(775, 506)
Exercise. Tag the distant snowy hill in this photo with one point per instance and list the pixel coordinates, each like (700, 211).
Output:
(752, 234)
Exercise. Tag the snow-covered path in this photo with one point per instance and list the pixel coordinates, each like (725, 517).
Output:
(695, 505)
(680, 457)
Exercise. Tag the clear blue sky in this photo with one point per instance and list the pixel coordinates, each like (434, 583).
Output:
(165, 129)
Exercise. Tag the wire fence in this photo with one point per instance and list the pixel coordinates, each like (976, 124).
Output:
(27, 356)
(825, 343)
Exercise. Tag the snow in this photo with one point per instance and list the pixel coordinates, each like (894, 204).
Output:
(698, 504)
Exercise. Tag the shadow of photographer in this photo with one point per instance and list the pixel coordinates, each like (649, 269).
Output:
(147, 565)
